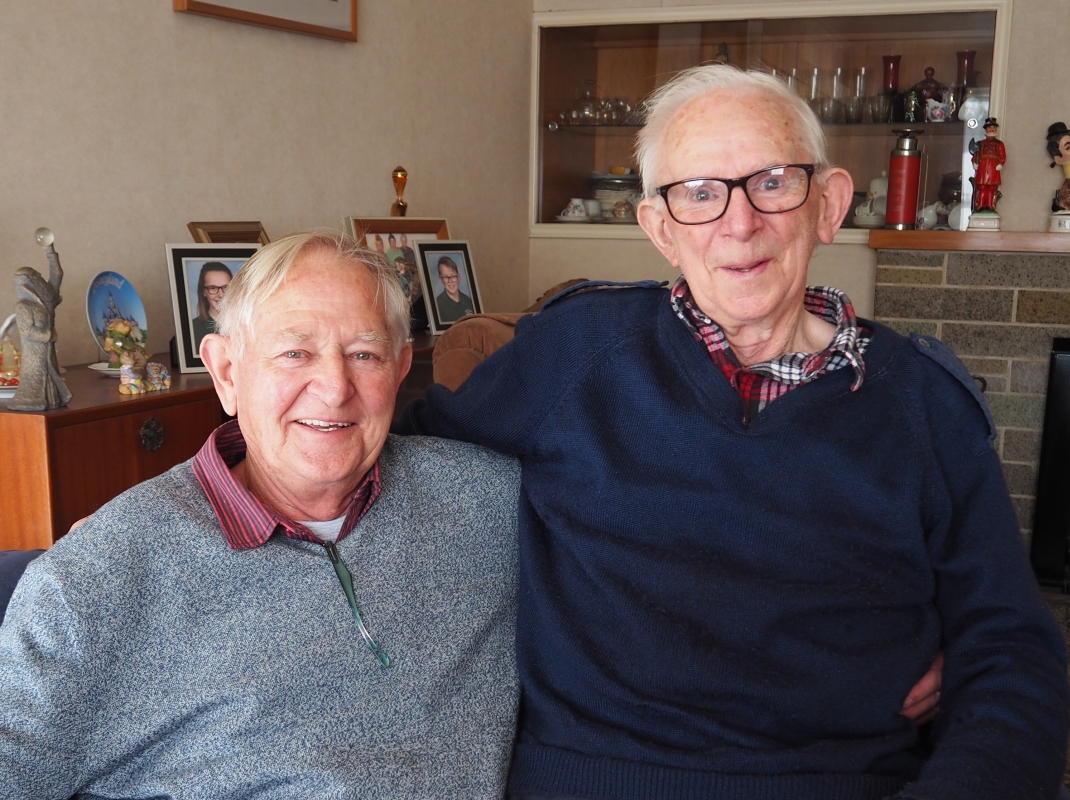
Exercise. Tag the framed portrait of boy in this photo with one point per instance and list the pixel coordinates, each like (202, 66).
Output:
(199, 276)
(449, 283)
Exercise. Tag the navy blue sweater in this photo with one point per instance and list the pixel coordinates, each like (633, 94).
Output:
(709, 609)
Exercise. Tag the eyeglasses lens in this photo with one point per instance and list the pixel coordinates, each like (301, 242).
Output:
(770, 191)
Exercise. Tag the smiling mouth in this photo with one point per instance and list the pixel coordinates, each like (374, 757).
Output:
(320, 425)
(745, 268)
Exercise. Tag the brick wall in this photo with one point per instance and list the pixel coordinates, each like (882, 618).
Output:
(999, 313)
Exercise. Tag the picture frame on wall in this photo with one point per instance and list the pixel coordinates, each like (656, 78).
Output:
(449, 283)
(199, 275)
(394, 236)
(228, 232)
(333, 19)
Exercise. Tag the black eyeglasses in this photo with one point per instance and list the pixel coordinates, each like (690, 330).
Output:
(773, 190)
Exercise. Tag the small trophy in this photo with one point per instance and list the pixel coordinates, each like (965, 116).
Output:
(400, 207)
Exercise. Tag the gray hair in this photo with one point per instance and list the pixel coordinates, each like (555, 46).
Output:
(665, 102)
(264, 273)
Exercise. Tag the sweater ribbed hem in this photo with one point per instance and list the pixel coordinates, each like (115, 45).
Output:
(544, 770)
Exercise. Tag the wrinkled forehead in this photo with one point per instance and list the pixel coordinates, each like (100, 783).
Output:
(319, 274)
(721, 120)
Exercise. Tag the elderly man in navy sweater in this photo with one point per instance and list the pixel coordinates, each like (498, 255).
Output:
(750, 520)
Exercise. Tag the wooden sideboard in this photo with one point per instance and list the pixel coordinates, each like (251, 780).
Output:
(58, 466)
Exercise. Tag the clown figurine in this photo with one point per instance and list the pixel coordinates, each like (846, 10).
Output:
(1059, 150)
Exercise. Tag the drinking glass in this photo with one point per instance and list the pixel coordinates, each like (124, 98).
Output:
(880, 106)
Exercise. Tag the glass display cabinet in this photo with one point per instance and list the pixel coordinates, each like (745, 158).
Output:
(865, 74)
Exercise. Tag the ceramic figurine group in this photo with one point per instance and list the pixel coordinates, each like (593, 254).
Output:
(124, 343)
(136, 376)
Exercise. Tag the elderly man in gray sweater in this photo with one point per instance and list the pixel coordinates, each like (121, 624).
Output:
(297, 611)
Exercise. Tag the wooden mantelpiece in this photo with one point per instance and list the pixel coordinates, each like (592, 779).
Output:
(983, 241)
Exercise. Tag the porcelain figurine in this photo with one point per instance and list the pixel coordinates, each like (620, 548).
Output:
(131, 372)
(157, 378)
(41, 386)
(1059, 150)
(989, 156)
(871, 213)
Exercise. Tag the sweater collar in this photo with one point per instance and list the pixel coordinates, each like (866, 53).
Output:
(245, 520)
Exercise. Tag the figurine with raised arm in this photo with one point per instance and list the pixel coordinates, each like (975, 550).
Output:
(989, 156)
(1059, 150)
(40, 385)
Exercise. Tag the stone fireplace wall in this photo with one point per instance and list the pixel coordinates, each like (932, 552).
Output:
(999, 312)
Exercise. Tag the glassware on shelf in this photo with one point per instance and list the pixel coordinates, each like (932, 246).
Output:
(891, 74)
(879, 107)
(860, 82)
(965, 77)
(853, 108)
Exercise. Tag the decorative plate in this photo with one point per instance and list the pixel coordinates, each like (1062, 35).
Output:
(111, 297)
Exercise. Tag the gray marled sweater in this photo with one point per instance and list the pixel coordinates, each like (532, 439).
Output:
(141, 657)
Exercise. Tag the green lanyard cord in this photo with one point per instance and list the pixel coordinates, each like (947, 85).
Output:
(346, 579)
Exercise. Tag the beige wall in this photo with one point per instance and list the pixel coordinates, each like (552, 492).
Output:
(1035, 98)
(121, 121)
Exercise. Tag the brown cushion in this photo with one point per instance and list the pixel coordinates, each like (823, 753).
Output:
(467, 343)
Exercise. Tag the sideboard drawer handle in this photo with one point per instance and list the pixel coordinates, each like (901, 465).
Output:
(151, 434)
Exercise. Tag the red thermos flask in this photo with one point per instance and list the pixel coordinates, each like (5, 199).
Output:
(904, 172)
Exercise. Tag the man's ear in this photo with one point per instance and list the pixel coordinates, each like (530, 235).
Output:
(837, 192)
(216, 355)
(653, 218)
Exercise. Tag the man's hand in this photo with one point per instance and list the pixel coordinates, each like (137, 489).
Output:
(921, 705)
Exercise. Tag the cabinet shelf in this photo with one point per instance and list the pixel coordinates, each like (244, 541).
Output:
(627, 56)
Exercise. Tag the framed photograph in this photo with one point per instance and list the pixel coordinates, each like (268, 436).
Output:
(200, 275)
(334, 19)
(449, 283)
(228, 232)
(395, 237)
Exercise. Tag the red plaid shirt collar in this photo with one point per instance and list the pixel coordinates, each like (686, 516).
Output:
(761, 384)
(247, 522)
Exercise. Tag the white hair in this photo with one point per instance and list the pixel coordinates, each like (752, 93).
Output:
(665, 102)
(264, 273)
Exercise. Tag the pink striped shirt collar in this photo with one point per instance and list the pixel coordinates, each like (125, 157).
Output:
(247, 522)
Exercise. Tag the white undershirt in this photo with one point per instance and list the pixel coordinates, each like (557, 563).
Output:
(325, 531)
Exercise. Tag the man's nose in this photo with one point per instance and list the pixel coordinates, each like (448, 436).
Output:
(740, 218)
(332, 382)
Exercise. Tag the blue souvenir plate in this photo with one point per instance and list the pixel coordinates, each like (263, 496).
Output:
(111, 297)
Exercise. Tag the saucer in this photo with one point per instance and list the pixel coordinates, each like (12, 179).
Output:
(102, 368)
(868, 222)
(563, 218)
